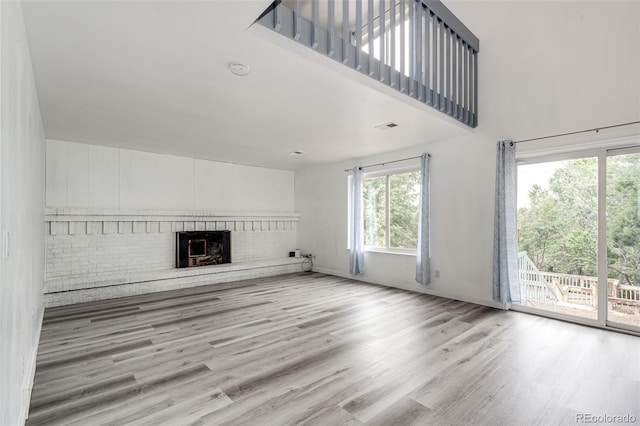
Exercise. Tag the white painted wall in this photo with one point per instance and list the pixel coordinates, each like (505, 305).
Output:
(545, 67)
(90, 176)
(21, 217)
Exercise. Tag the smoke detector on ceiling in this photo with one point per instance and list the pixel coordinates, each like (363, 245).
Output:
(386, 126)
(239, 69)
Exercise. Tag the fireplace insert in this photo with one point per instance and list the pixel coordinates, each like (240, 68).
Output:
(201, 248)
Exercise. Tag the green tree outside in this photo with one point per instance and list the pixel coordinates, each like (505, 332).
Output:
(404, 191)
(559, 228)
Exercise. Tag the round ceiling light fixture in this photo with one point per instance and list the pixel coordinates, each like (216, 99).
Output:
(296, 153)
(239, 69)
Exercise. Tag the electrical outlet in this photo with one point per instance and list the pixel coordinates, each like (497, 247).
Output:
(437, 273)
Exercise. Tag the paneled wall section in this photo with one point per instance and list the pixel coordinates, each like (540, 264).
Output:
(90, 176)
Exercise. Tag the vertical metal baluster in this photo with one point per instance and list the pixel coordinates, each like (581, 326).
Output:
(359, 35)
(346, 32)
(403, 88)
(382, 41)
(297, 21)
(392, 44)
(470, 86)
(454, 71)
(442, 88)
(469, 81)
(434, 67)
(277, 19)
(331, 50)
(419, 16)
(315, 29)
(449, 71)
(412, 47)
(427, 52)
(475, 89)
(460, 83)
(465, 101)
(371, 36)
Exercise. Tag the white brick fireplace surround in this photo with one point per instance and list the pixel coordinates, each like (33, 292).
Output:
(94, 254)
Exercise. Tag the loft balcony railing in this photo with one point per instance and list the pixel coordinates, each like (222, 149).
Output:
(417, 47)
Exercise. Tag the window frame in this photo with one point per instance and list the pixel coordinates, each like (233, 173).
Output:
(601, 150)
(387, 173)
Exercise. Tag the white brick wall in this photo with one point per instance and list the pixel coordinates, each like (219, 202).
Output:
(84, 247)
(91, 254)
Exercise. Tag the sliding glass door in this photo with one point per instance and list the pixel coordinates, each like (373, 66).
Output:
(579, 237)
(623, 238)
(558, 236)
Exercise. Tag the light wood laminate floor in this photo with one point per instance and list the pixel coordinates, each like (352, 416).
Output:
(317, 349)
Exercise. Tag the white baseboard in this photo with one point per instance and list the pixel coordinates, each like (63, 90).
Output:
(30, 373)
(417, 288)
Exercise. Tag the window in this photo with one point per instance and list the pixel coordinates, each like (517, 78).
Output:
(558, 235)
(390, 210)
(579, 236)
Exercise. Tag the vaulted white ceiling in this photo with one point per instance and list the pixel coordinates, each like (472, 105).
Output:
(154, 76)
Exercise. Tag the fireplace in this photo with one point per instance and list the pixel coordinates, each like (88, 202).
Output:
(201, 248)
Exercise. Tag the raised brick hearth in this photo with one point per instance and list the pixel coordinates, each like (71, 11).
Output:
(99, 254)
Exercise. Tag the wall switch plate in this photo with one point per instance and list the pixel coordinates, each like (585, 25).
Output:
(437, 273)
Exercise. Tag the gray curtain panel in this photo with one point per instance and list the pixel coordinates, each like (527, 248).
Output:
(423, 254)
(356, 243)
(506, 289)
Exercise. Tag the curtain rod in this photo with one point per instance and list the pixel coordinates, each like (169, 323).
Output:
(597, 129)
(387, 162)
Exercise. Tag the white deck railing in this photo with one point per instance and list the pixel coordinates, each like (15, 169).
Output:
(624, 296)
(535, 290)
(576, 289)
(545, 289)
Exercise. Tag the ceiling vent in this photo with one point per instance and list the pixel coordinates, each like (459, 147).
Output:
(386, 126)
